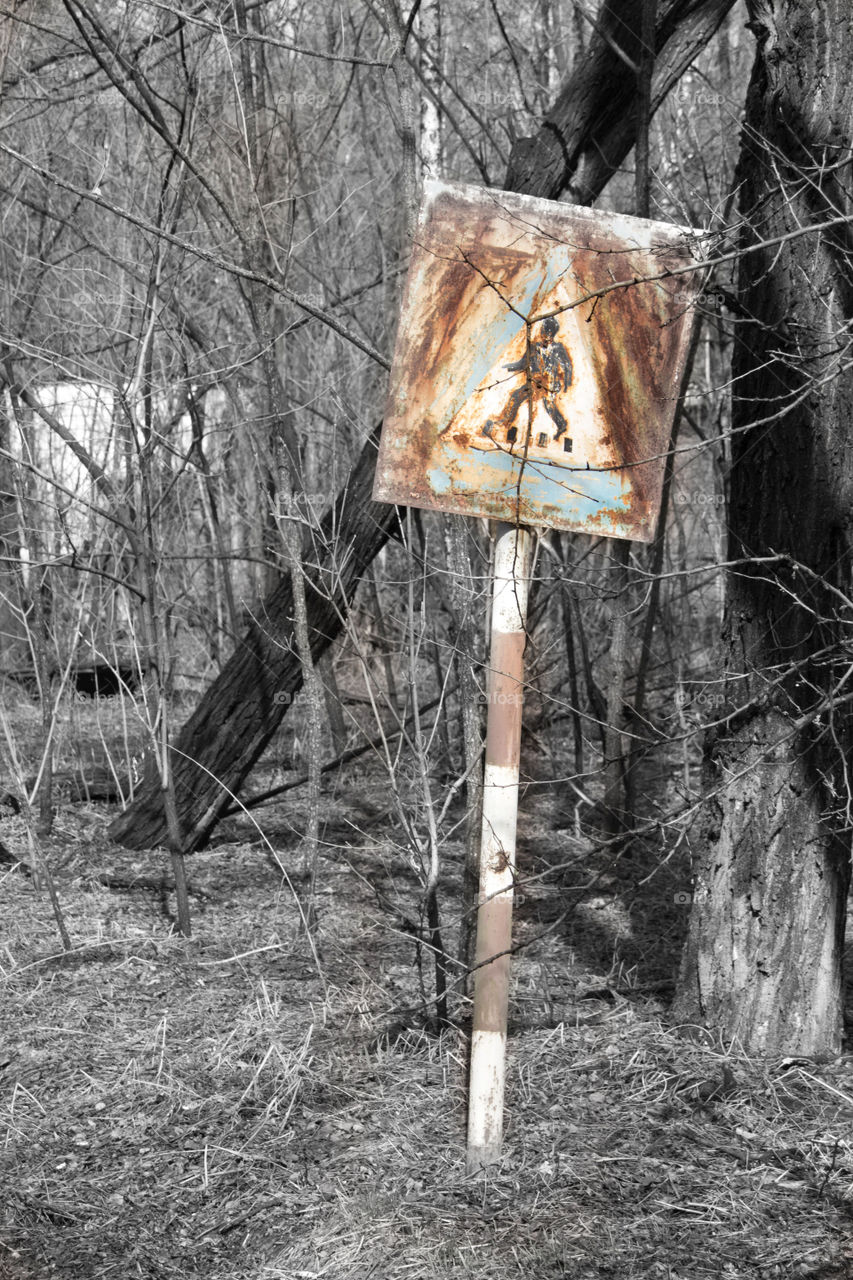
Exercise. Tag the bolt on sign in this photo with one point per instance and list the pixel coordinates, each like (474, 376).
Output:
(539, 359)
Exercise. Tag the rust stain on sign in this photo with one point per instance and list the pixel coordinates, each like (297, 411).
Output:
(525, 386)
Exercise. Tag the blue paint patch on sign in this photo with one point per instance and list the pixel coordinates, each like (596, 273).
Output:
(584, 493)
(439, 481)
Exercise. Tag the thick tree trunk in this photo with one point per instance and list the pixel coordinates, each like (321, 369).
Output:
(763, 956)
(592, 125)
(242, 709)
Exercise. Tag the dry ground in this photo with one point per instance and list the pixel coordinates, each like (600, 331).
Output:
(236, 1106)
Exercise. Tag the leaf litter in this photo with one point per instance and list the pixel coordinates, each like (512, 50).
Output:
(234, 1106)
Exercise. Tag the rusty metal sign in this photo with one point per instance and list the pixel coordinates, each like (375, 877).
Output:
(538, 362)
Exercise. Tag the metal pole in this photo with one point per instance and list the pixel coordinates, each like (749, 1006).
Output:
(616, 741)
(513, 552)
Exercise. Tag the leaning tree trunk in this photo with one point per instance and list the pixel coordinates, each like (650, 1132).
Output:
(763, 956)
(586, 136)
(241, 710)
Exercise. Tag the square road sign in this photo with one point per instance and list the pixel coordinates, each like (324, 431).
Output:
(539, 358)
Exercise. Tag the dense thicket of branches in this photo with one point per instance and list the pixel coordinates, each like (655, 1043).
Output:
(229, 730)
(205, 215)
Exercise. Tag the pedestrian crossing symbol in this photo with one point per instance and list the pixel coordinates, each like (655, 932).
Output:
(538, 363)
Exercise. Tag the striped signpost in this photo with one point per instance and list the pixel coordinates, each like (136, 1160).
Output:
(539, 355)
(505, 691)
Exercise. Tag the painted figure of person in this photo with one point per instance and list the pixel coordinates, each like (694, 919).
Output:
(550, 375)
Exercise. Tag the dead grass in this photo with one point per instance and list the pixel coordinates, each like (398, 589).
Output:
(219, 1107)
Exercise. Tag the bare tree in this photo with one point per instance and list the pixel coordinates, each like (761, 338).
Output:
(763, 959)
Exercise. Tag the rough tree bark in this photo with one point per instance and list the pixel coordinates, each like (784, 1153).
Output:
(592, 125)
(586, 137)
(763, 956)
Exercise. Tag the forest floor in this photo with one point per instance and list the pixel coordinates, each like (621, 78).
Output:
(246, 1105)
